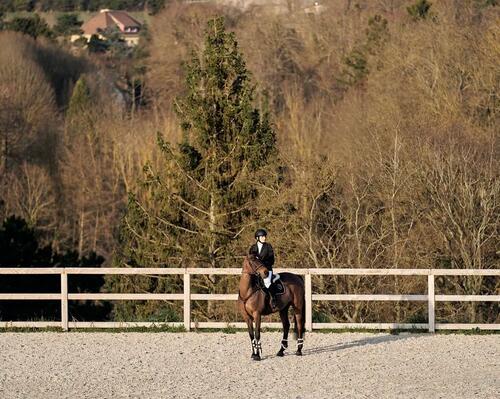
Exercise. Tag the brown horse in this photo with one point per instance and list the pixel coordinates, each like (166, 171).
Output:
(253, 304)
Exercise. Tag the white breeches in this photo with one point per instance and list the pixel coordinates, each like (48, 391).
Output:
(268, 279)
(271, 277)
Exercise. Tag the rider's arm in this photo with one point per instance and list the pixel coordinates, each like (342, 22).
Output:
(271, 255)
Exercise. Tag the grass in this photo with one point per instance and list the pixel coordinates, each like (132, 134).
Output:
(160, 328)
(155, 329)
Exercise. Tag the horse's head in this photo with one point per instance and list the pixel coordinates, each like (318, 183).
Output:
(253, 265)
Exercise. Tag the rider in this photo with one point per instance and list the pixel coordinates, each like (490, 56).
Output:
(264, 252)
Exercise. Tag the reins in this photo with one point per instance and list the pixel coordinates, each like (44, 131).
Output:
(254, 273)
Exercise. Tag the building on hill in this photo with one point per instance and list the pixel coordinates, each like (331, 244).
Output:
(276, 6)
(128, 26)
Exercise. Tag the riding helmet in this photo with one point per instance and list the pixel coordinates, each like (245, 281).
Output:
(260, 233)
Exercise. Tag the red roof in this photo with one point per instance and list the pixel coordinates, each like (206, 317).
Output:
(110, 19)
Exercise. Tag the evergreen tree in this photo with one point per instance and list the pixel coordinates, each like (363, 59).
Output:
(420, 10)
(193, 211)
(33, 26)
(357, 62)
(97, 45)
(80, 116)
(67, 24)
(80, 99)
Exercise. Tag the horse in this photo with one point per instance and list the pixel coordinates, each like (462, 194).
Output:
(253, 304)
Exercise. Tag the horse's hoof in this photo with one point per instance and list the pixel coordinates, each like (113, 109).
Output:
(256, 357)
(281, 353)
(298, 353)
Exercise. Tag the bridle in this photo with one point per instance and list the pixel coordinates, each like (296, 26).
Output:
(255, 272)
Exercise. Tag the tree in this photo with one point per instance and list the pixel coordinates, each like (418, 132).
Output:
(207, 188)
(420, 10)
(357, 61)
(116, 46)
(67, 24)
(154, 6)
(23, 5)
(194, 210)
(97, 45)
(33, 26)
(20, 246)
(80, 99)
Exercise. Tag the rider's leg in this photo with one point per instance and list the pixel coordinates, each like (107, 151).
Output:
(267, 282)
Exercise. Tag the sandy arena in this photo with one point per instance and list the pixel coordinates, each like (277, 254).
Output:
(218, 365)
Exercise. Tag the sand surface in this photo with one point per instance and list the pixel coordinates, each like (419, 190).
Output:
(218, 365)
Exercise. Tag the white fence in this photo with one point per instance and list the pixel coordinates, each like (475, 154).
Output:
(187, 296)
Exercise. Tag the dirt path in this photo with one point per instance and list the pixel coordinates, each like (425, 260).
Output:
(217, 365)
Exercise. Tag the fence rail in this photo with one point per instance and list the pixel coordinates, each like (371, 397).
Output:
(186, 296)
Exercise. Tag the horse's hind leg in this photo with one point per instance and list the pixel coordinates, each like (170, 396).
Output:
(286, 328)
(299, 326)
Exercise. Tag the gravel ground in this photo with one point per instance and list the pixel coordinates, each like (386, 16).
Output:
(218, 365)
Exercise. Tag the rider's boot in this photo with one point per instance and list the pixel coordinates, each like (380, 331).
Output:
(274, 303)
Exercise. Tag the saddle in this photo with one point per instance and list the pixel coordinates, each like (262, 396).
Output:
(277, 287)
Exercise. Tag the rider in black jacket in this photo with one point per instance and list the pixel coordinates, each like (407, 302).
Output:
(264, 251)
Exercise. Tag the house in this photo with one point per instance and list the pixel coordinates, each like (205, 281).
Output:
(315, 9)
(128, 26)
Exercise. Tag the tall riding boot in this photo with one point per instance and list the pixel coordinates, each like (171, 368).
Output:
(274, 303)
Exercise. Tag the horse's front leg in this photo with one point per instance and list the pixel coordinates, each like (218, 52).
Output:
(256, 345)
(249, 322)
(286, 328)
(251, 334)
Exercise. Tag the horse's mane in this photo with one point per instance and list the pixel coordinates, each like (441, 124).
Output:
(254, 261)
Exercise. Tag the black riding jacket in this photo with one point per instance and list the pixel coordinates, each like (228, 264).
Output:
(266, 255)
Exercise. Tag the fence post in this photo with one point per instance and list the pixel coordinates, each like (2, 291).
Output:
(308, 302)
(187, 301)
(64, 300)
(431, 303)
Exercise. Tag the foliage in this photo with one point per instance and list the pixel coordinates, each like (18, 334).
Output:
(154, 6)
(116, 47)
(33, 26)
(206, 190)
(194, 210)
(419, 10)
(84, 5)
(97, 45)
(67, 24)
(357, 61)
(387, 137)
(19, 247)
(80, 99)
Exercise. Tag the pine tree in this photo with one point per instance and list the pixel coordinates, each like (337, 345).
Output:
(420, 10)
(80, 99)
(192, 212)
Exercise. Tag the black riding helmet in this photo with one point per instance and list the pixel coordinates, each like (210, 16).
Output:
(260, 233)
